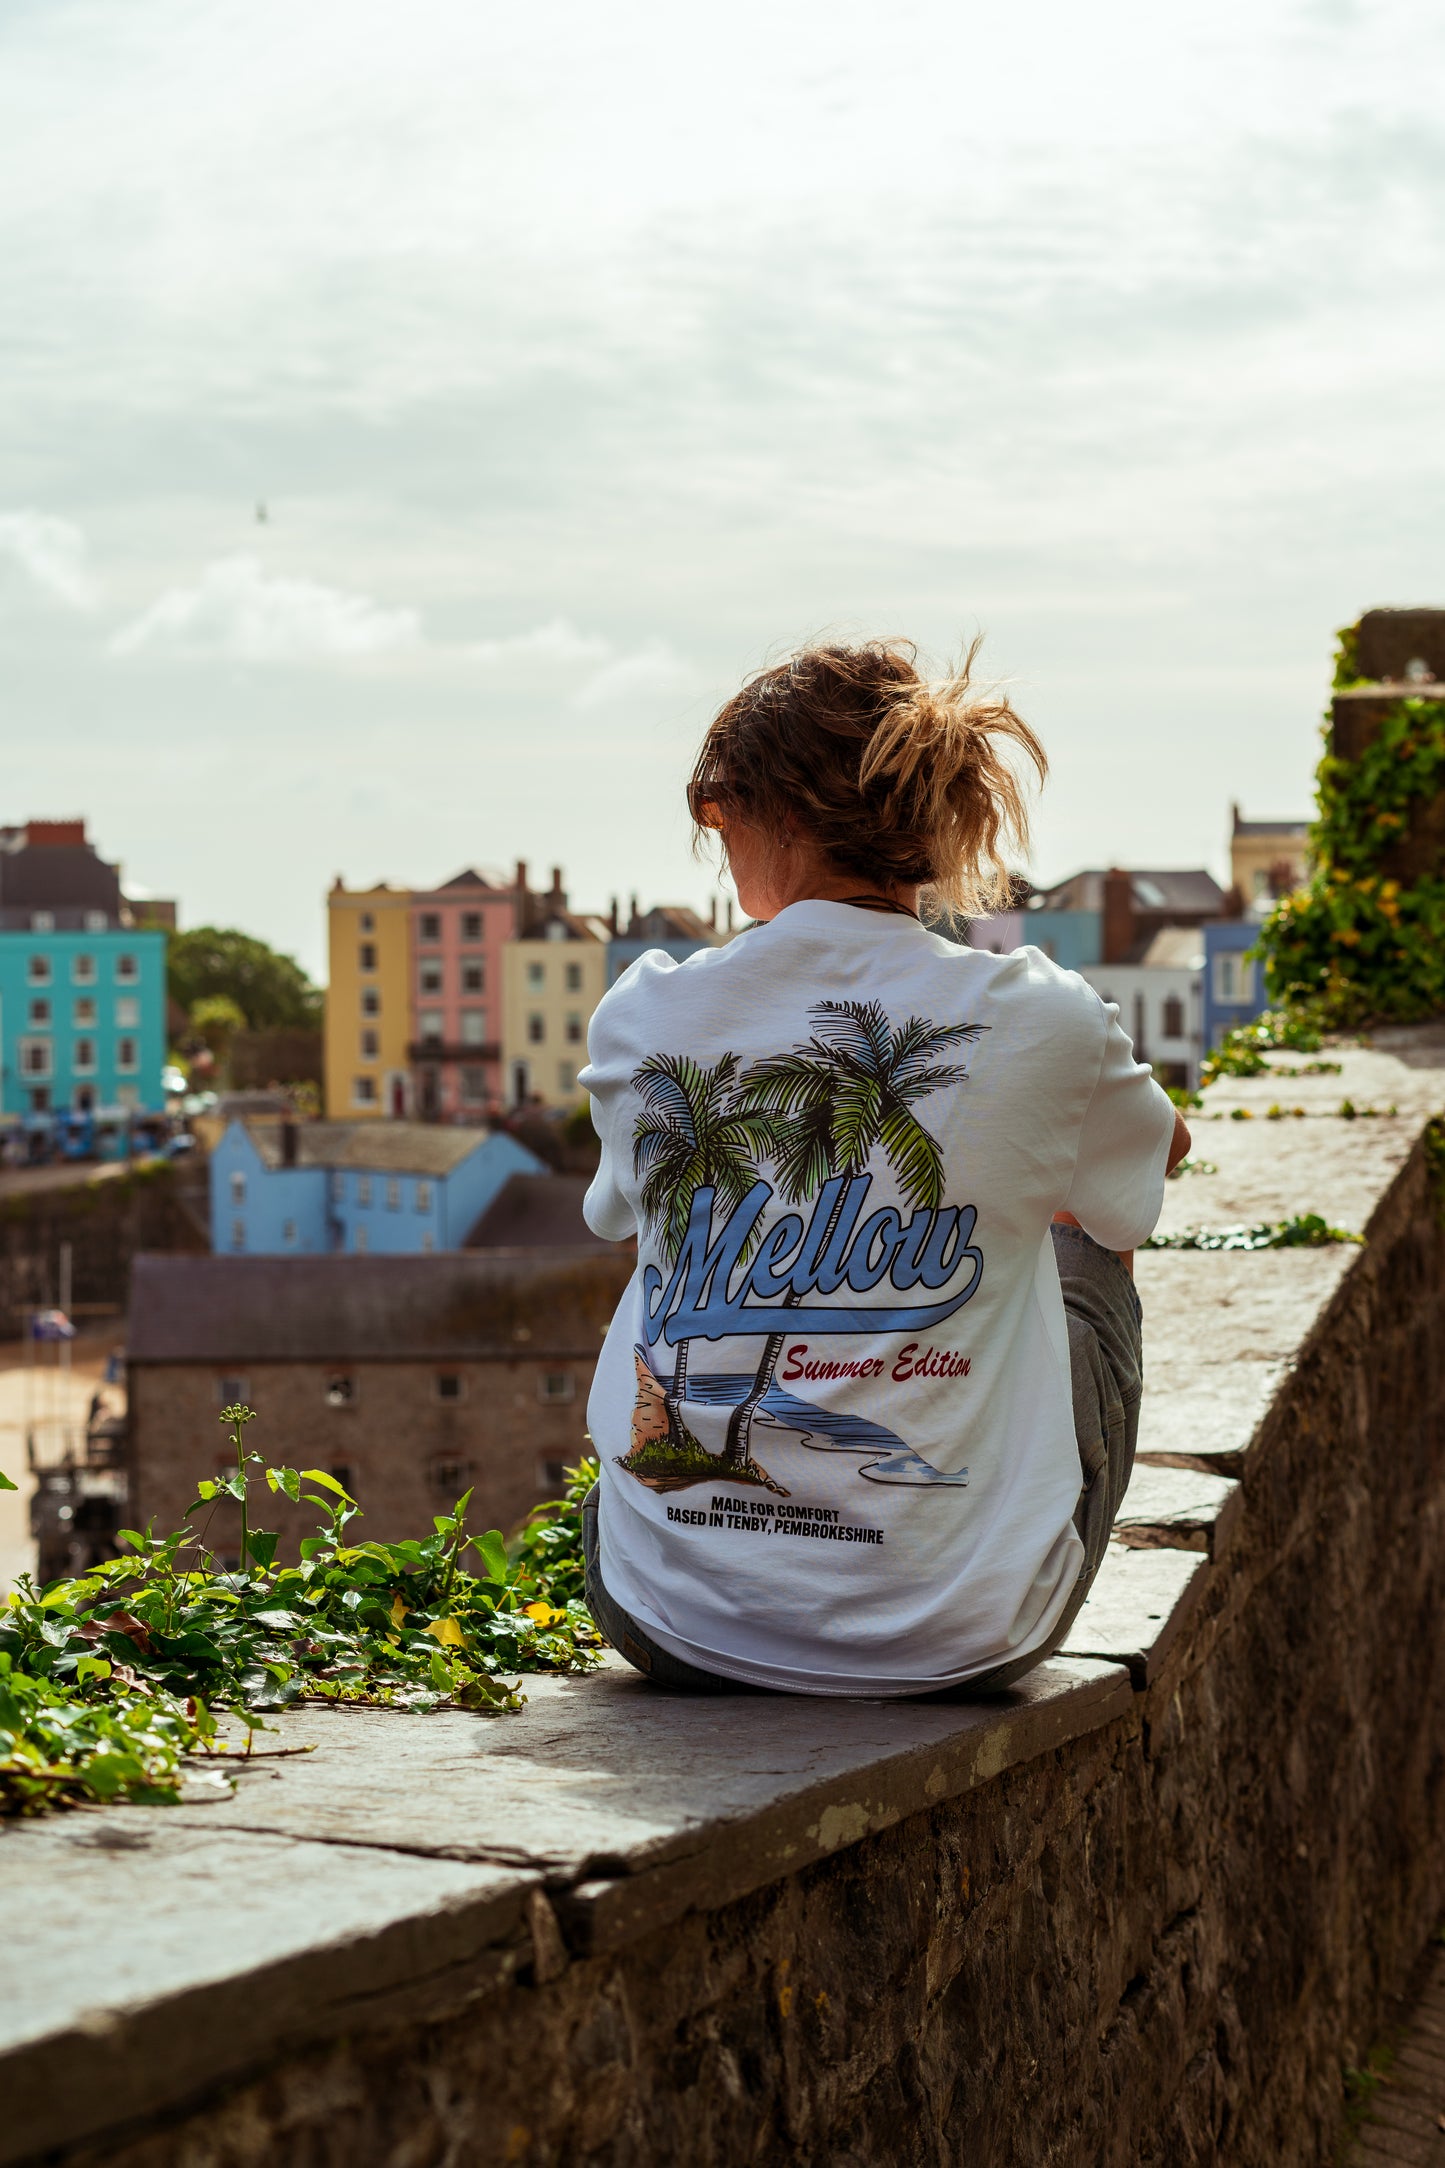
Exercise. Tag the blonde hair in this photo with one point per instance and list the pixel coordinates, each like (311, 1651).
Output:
(898, 779)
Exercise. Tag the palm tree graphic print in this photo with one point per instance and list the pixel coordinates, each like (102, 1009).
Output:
(817, 1116)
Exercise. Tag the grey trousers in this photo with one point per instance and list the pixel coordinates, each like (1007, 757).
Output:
(1101, 1307)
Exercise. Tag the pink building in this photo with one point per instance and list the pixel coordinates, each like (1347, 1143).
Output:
(458, 933)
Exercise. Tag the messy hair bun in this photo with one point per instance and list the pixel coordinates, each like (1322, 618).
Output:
(899, 780)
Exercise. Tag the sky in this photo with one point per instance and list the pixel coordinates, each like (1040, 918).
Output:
(582, 361)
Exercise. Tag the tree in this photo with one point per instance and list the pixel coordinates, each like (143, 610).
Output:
(693, 1135)
(847, 1092)
(271, 991)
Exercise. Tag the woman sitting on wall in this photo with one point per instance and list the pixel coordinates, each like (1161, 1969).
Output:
(868, 1409)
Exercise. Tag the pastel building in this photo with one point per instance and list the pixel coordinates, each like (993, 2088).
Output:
(672, 927)
(1233, 980)
(555, 973)
(368, 1002)
(282, 1188)
(82, 987)
(459, 934)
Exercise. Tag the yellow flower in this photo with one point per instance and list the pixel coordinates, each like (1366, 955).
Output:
(1349, 935)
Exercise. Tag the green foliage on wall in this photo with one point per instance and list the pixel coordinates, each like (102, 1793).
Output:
(1355, 945)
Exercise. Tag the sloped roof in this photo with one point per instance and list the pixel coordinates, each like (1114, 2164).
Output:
(537, 1212)
(456, 1306)
(372, 1147)
(1176, 948)
(1185, 889)
(1271, 828)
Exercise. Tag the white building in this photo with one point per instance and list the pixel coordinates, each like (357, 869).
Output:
(1161, 1002)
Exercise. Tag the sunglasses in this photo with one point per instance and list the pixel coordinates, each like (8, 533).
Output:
(707, 809)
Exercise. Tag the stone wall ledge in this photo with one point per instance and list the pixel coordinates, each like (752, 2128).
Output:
(413, 1868)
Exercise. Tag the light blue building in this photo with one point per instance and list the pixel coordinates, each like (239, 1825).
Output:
(671, 927)
(283, 1188)
(82, 1020)
(1233, 982)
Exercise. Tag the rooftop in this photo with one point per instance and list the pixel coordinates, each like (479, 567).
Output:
(455, 1306)
(1178, 890)
(537, 1211)
(373, 1147)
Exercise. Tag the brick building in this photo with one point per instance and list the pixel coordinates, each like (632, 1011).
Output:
(408, 1378)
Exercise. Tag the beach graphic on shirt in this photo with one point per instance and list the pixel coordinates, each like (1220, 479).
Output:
(713, 1148)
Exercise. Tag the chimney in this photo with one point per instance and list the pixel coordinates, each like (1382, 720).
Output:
(612, 918)
(632, 906)
(730, 914)
(522, 876)
(1118, 915)
(712, 913)
(42, 835)
(557, 889)
(289, 1141)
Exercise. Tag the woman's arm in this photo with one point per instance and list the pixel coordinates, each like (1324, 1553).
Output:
(1179, 1145)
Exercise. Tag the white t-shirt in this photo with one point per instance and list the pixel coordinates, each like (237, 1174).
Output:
(833, 1411)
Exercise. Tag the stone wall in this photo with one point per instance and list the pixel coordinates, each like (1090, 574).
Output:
(1136, 1914)
(106, 1219)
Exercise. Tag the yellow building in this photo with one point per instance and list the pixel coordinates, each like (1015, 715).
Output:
(1267, 859)
(368, 1005)
(554, 975)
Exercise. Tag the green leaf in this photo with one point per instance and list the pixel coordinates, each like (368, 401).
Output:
(261, 1543)
(494, 1554)
(5, 1482)
(285, 1479)
(327, 1482)
(91, 1667)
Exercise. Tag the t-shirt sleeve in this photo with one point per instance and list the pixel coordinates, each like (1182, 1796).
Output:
(1118, 1182)
(606, 1207)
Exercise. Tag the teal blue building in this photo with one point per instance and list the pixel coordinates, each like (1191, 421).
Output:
(82, 988)
(82, 1021)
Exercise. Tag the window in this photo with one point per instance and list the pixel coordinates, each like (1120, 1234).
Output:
(574, 1029)
(551, 1475)
(40, 1012)
(449, 1475)
(35, 1057)
(338, 1188)
(430, 926)
(84, 1012)
(238, 1234)
(96, 922)
(127, 969)
(127, 1095)
(428, 1242)
(37, 971)
(82, 1057)
(423, 1196)
(366, 956)
(448, 1385)
(471, 925)
(288, 1233)
(363, 1091)
(536, 974)
(82, 970)
(343, 1473)
(42, 922)
(1173, 1017)
(473, 978)
(574, 978)
(566, 1076)
(556, 931)
(1233, 977)
(367, 922)
(393, 1194)
(40, 1099)
(370, 1001)
(127, 1012)
(370, 1046)
(363, 1189)
(429, 1026)
(429, 978)
(474, 1086)
(340, 1391)
(229, 1391)
(474, 1027)
(125, 1054)
(556, 1386)
(363, 1241)
(536, 1029)
(238, 1187)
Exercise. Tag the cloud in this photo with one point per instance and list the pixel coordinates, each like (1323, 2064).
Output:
(238, 611)
(558, 641)
(653, 671)
(52, 553)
